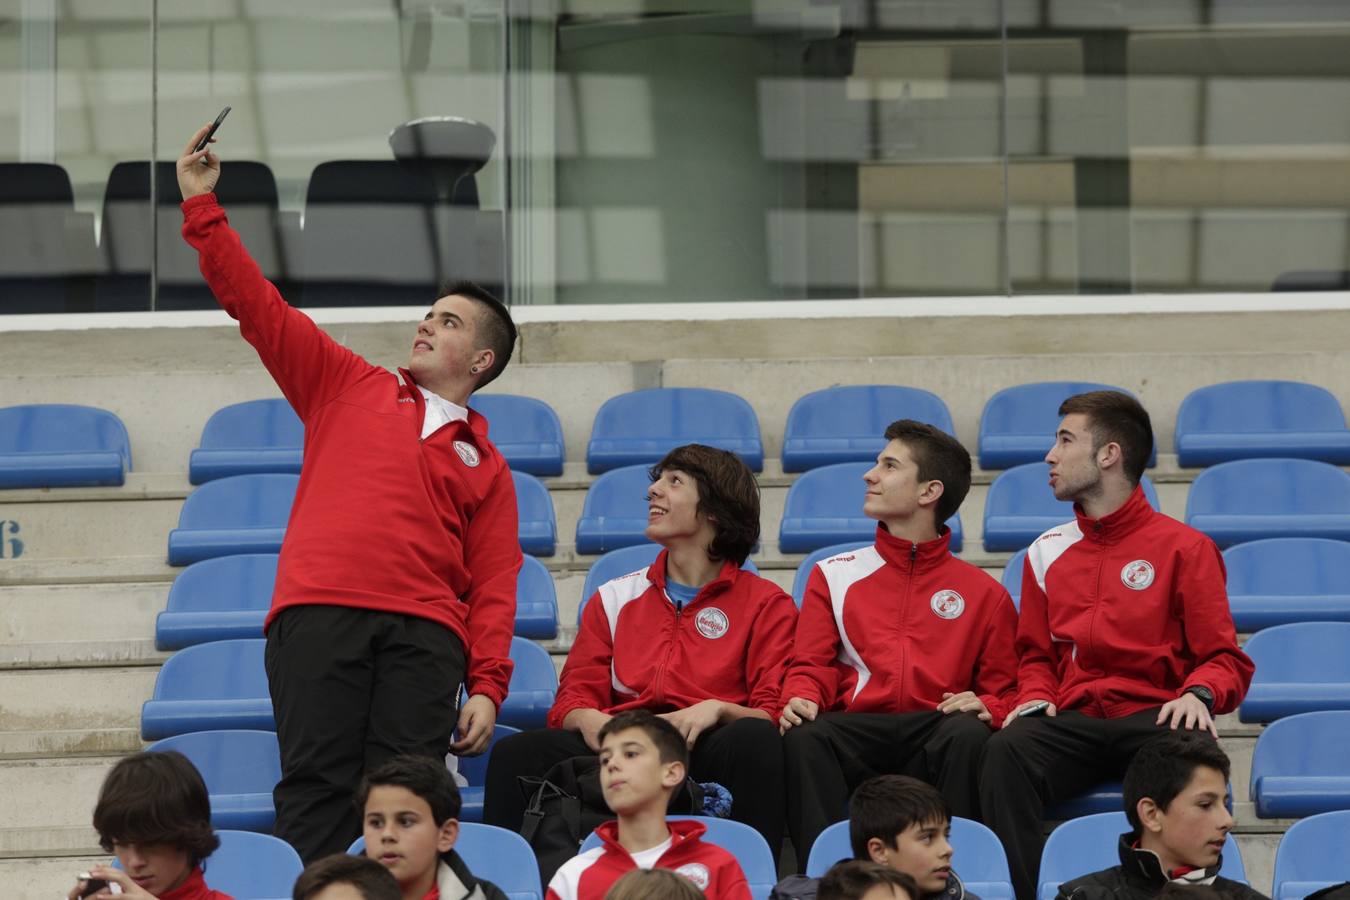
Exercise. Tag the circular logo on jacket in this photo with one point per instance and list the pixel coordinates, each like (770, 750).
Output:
(712, 623)
(468, 453)
(695, 872)
(948, 604)
(1137, 575)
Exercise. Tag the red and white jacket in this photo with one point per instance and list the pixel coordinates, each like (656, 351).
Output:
(1126, 612)
(382, 520)
(194, 889)
(591, 874)
(638, 650)
(891, 627)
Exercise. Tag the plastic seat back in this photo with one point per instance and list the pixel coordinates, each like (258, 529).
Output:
(977, 858)
(210, 687)
(1311, 855)
(1012, 577)
(1261, 498)
(617, 563)
(217, 599)
(62, 445)
(845, 424)
(1021, 506)
(240, 514)
(1277, 581)
(247, 438)
(1302, 667)
(640, 427)
(474, 770)
(738, 839)
(536, 525)
(526, 431)
(824, 507)
(534, 684)
(803, 575)
(1252, 419)
(1018, 423)
(51, 268)
(1298, 766)
(240, 769)
(614, 513)
(251, 866)
(536, 602)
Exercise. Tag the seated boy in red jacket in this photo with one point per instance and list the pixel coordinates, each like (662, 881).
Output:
(903, 661)
(643, 760)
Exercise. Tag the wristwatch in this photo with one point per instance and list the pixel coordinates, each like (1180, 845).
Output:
(1204, 694)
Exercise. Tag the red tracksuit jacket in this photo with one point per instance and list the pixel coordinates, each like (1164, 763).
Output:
(590, 875)
(1124, 613)
(382, 519)
(891, 627)
(636, 649)
(194, 889)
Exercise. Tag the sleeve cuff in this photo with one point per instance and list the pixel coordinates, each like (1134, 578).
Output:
(199, 201)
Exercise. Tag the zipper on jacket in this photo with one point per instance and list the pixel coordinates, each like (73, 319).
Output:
(659, 683)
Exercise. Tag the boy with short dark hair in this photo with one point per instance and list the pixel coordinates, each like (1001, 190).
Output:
(905, 823)
(855, 879)
(643, 760)
(343, 877)
(410, 806)
(1175, 789)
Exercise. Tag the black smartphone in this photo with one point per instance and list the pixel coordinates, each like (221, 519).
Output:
(210, 134)
(91, 885)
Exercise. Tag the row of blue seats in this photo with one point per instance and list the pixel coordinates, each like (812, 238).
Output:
(1215, 424)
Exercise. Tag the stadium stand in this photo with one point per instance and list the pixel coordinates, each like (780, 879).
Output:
(62, 445)
(525, 430)
(1020, 507)
(738, 839)
(536, 602)
(1251, 499)
(614, 513)
(1277, 581)
(248, 438)
(620, 562)
(537, 526)
(241, 514)
(803, 574)
(534, 683)
(210, 687)
(845, 424)
(1012, 576)
(250, 866)
(52, 268)
(240, 769)
(1018, 423)
(640, 427)
(474, 770)
(500, 856)
(1254, 419)
(218, 599)
(1303, 667)
(1299, 765)
(1311, 856)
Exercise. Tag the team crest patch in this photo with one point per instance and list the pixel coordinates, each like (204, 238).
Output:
(948, 604)
(695, 872)
(1137, 575)
(712, 623)
(468, 453)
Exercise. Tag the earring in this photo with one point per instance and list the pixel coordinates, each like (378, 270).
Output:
(474, 370)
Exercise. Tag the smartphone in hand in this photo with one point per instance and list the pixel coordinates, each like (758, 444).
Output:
(1036, 709)
(91, 885)
(210, 134)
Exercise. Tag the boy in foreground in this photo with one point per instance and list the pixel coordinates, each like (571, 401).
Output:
(343, 877)
(854, 879)
(643, 760)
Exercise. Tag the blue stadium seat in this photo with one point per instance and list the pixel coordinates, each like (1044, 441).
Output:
(1311, 856)
(1088, 844)
(804, 570)
(1109, 796)
(61, 445)
(474, 770)
(1252, 419)
(242, 514)
(1300, 668)
(210, 687)
(534, 683)
(494, 854)
(525, 430)
(1282, 580)
(1018, 423)
(248, 438)
(1299, 766)
(217, 600)
(1020, 507)
(614, 513)
(621, 562)
(536, 602)
(250, 866)
(537, 527)
(1012, 576)
(845, 424)
(1262, 498)
(640, 427)
(824, 507)
(738, 839)
(240, 769)
(978, 857)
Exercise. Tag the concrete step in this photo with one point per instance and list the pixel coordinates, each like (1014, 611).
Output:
(47, 877)
(78, 624)
(87, 701)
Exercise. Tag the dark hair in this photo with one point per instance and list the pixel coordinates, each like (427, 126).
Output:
(496, 329)
(670, 745)
(851, 878)
(420, 775)
(884, 806)
(653, 884)
(1163, 767)
(1116, 417)
(727, 494)
(156, 798)
(373, 880)
(938, 457)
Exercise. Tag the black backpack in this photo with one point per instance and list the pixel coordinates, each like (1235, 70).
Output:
(566, 805)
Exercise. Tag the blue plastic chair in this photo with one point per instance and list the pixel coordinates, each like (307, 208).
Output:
(1311, 856)
(1263, 498)
(845, 424)
(620, 562)
(250, 866)
(824, 507)
(1304, 667)
(210, 687)
(1018, 423)
(534, 684)
(614, 513)
(526, 431)
(978, 857)
(738, 839)
(217, 599)
(62, 445)
(474, 770)
(248, 438)
(537, 526)
(1252, 419)
(1020, 507)
(240, 769)
(243, 514)
(1282, 580)
(1299, 767)
(494, 854)
(1109, 796)
(1088, 844)
(804, 570)
(640, 427)
(1012, 576)
(536, 602)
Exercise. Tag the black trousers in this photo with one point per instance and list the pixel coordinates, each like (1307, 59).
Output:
(1037, 762)
(745, 757)
(829, 757)
(350, 689)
